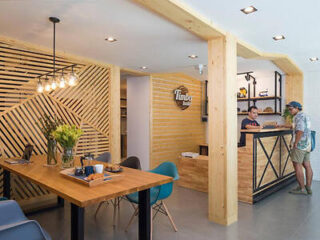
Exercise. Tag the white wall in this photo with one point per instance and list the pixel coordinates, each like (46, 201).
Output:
(311, 107)
(138, 130)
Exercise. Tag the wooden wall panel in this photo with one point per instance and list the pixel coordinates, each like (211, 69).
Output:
(85, 105)
(174, 130)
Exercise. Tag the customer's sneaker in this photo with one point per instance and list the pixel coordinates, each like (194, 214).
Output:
(298, 190)
(309, 191)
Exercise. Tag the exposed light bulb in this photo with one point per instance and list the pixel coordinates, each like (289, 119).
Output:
(72, 79)
(47, 87)
(40, 87)
(54, 84)
(62, 83)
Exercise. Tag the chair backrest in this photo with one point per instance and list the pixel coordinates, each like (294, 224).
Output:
(104, 157)
(168, 169)
(131, 162)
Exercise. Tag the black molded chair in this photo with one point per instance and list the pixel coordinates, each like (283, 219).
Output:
(130, 162)
(104, 157)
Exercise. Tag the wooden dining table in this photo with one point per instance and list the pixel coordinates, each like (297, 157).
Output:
(81, 196)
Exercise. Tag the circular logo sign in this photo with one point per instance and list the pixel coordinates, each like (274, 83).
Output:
(182, 98)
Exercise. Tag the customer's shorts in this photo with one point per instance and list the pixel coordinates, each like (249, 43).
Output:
(299, 156)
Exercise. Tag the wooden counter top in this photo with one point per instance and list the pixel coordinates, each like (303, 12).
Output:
(264, 130)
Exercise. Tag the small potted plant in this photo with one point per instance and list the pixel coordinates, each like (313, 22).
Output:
(47, 125)
(67, 136)
(287, 116)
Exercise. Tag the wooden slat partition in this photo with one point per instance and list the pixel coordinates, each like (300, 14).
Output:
(85, 105)
(174, 130)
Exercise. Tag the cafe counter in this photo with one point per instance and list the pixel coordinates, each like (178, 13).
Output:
(264, 165)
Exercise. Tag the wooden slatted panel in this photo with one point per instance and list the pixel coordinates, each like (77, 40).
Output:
(92, 142)
(86, 106)
(174, 130)
(19, 69)
(90, 98)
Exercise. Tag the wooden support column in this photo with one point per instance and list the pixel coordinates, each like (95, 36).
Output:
(294, 88)
(115, 137)
(223, 183)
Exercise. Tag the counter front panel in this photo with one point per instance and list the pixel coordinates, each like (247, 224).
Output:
(264, 164)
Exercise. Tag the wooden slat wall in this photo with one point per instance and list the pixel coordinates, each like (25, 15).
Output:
(85, 105)
(174, 130)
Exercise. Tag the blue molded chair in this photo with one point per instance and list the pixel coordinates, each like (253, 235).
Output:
(15, 226)
(158, 194)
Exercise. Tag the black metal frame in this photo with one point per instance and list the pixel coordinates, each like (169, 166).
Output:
(277, 78)
(257, 187)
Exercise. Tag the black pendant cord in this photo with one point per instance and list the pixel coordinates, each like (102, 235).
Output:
(54, 50)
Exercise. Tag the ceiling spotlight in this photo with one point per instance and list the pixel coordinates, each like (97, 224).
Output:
(111, 39)
(314, 59)
(279, 37)
(144, 67)
(193, 56)
(249, 10)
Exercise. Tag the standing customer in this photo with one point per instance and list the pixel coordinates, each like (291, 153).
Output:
(300, 148)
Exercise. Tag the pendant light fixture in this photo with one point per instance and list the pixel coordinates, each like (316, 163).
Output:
(54, 83)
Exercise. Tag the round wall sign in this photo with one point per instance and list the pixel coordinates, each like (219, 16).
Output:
(181, 97)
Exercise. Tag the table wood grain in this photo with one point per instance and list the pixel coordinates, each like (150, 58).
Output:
(78, 194)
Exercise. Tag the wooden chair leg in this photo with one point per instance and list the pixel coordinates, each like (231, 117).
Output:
(95, 215)
(136, 211)
(170, 217)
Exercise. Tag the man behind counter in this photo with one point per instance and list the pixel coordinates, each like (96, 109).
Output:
(249, 123)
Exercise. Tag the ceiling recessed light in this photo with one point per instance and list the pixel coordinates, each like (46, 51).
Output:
(144, 67)
(278, 37)
(248, 10)
(111, 39)
(193, 56)
(314, 59)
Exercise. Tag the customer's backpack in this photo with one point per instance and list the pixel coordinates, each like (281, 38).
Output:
(313, 140)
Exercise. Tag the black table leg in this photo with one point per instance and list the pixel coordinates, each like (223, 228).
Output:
(60, 201)
(6, 184)
(77, 222)
(144, 215)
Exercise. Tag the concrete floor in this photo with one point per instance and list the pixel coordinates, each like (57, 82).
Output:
(280, 216)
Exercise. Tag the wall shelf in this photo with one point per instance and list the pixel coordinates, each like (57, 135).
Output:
(258, 98)
(277, 98)
(261, 113)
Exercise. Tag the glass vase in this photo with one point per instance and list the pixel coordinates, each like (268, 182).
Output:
(51, 152)
(67, 160)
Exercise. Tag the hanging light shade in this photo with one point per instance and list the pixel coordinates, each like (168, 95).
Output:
(40, 86)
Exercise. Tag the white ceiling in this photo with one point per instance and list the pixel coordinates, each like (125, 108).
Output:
(145, 39)
(297, 20)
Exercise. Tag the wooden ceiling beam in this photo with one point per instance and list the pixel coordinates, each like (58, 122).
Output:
(184, 16)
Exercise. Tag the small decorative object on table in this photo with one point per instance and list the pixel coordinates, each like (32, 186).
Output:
(67, 136)
(263, 93)
(48, 125)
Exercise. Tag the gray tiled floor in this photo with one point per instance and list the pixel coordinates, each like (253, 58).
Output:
(280, 216)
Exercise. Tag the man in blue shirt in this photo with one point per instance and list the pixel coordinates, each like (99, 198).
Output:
(300, 148)
(249, 123)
